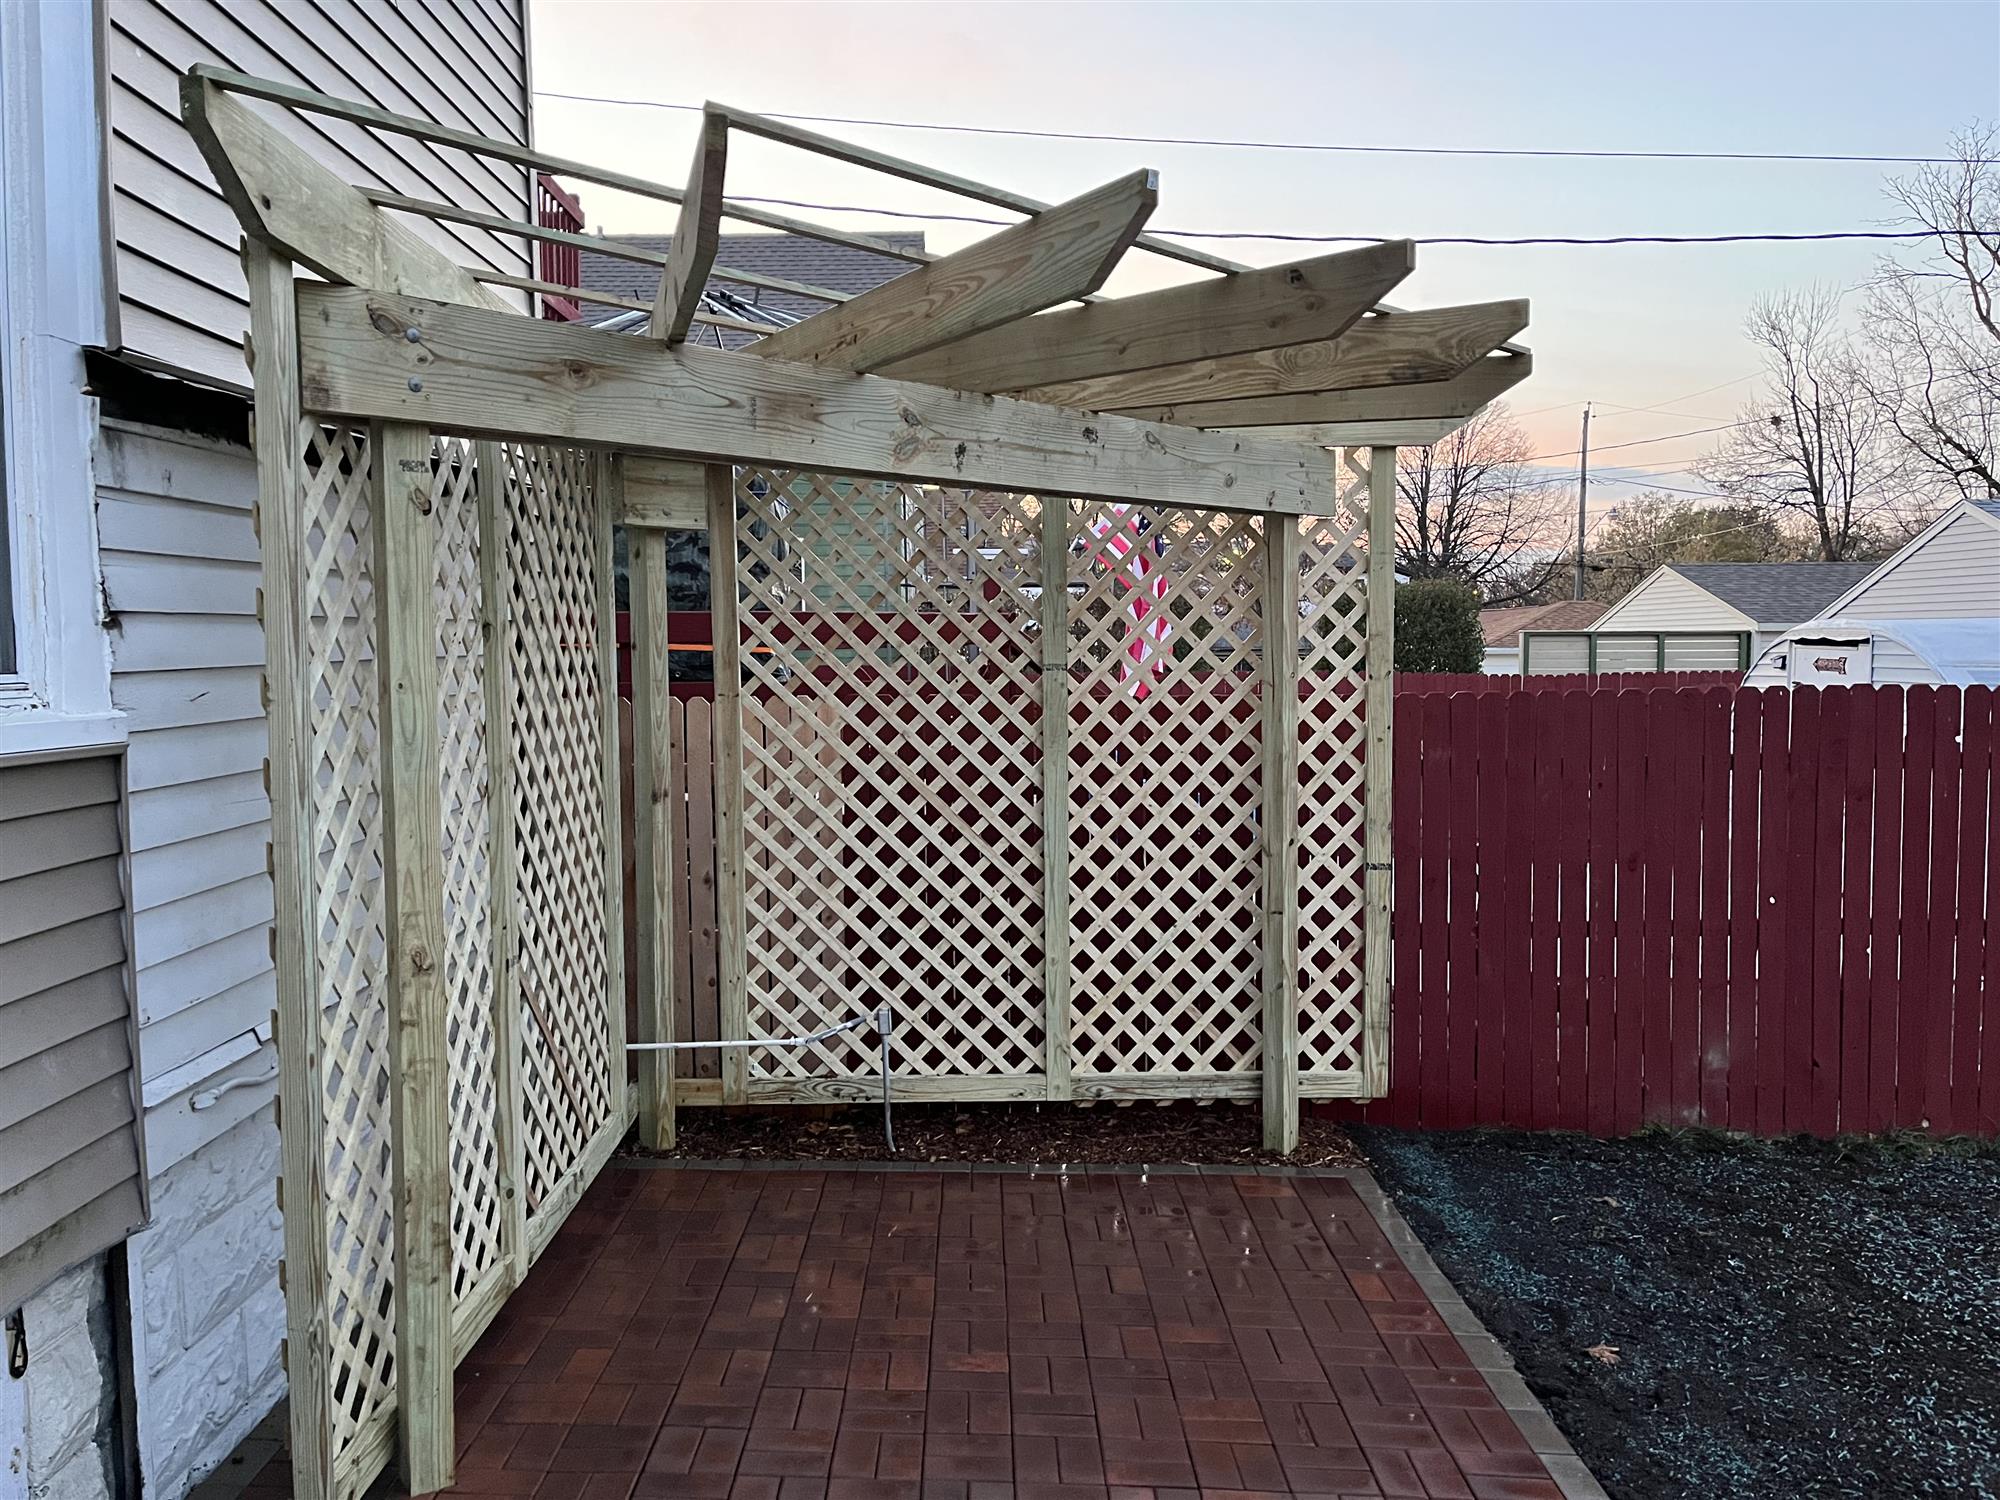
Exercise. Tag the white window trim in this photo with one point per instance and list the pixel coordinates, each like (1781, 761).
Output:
(52, 298)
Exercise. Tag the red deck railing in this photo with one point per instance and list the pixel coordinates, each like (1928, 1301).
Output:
(557, 209)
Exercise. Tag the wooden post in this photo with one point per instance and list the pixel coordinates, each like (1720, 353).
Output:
(509, 1107)
(609, 470)
(1055, 796)
(288, 776)
(413, 881)
(1379, 698)
(1281, 833)
(731, 902)
(652, 794)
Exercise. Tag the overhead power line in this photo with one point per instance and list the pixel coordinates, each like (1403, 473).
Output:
(1224, 143)
(1285, 236)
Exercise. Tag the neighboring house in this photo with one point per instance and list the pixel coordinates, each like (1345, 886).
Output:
(784, 257)
(1930, 614)
(136, 1069)
(1502, 628)
(1694, 617)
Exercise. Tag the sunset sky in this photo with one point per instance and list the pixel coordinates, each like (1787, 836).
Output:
(1627, 327)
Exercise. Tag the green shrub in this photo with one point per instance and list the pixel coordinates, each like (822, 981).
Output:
(1437, 627)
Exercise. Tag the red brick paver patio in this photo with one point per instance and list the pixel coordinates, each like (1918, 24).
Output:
(970, 1335)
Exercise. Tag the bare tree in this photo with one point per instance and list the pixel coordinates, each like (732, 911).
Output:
(1642, 533)
(1813, 444)
(1933, 324)
(1470, 508)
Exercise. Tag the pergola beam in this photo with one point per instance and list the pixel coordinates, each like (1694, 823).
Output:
(692, 254)
(1292, 304)
(1455, 399)
(292, 205)
(1063, 253)
(1394, 349)
(369, 354)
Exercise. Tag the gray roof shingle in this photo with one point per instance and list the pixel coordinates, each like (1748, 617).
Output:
(838, 268)
(1776, 594)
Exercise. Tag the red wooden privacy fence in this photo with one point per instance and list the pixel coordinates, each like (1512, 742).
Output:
(1771, 911)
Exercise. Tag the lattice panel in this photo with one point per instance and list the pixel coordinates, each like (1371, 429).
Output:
(560, 930)
(891, 773)
(1165, 781)
(339, 682)
(476, 1205)
(1333, 638)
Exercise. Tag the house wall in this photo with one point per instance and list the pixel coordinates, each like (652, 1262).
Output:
(181, 294)
(59, 1424)
(71, 1176)
(1954, 574)
(180, 563)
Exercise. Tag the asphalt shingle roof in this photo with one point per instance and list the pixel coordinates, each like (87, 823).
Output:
(838, 268)
(1502, 627)
(1777, 593)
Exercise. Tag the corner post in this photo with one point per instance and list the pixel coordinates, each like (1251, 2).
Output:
(413, 882)
(1055, 796)
(1379, 700)
(1280, 731)
(731, 900)
(510, 1110)
(653, 815)
(274, 347)
(608, 491)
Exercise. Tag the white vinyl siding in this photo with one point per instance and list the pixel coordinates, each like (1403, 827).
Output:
(182, 300)
(1667, 601)
(1954, 573)
(180, 577)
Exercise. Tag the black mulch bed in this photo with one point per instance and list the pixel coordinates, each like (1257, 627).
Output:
(1092, 1135)
(1794, 1319)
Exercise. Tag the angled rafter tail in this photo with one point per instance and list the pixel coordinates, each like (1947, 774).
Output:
(1391, 349)
(1062, 253)
(692, 254)
(1299, 303)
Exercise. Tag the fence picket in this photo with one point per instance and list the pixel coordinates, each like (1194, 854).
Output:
(1944, 914)
(1826, 917)
(1913, 931)
(1975, 1078)
(1857, 890)
(1884, 988)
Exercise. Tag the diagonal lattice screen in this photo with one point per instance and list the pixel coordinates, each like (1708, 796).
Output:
(1166, 862)
(891, 772)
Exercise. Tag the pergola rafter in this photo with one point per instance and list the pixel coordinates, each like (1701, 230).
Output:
(1052, 652)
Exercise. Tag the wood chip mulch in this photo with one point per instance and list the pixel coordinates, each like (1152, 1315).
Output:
(1220, 1134)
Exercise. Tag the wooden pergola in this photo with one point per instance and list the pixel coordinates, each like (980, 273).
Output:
(1053, 642)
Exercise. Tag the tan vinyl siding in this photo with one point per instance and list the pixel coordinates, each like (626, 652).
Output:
(1547, 654)
(1953, 575)
(1628, 653)
(71, 1178)
(1704, 653)
(180, 577)
(181, 294)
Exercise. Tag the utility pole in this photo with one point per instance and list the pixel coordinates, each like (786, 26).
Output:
(1582, 487)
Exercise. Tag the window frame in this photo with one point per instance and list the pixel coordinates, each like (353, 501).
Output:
(52, 307)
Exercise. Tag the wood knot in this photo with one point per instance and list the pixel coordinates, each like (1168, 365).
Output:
(421, 961)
